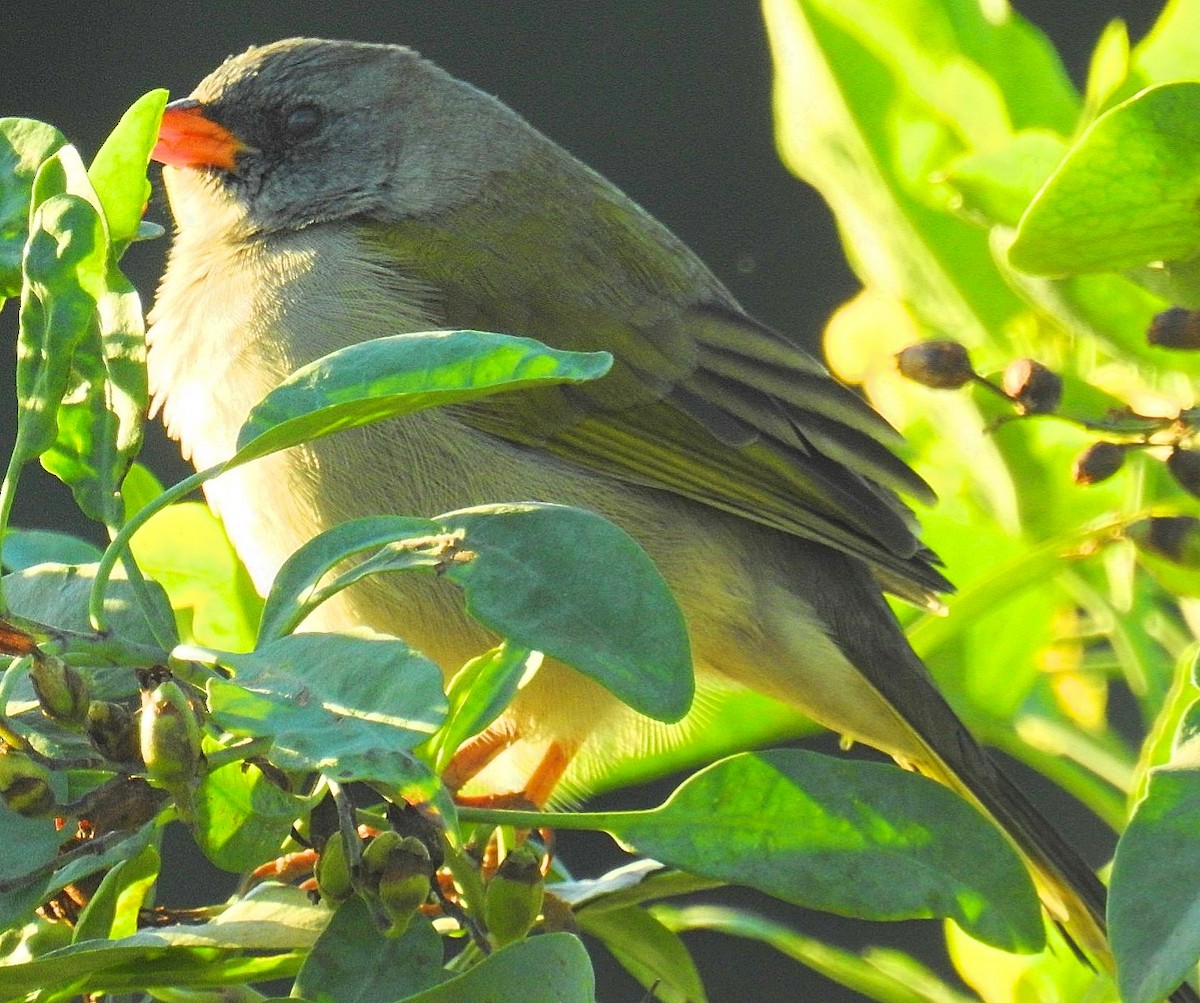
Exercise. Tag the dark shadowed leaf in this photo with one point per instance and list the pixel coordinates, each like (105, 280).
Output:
(553, 968)
(352, 962)
(649, 951)
(1154, 898)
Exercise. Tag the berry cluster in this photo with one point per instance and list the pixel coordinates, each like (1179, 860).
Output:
(1032, 389)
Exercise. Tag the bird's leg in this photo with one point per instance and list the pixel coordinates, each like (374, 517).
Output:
(549, 772)
(475, 753)
(479, 751)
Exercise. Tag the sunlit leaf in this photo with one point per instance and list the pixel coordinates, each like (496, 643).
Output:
(184, 548)
(855, 838)
(241, 817)
(1125, 195)
(875, 974)
(113, 909)
(118, 170)
(393, 376)
(271, 918)
(478, 694)
(25, 144)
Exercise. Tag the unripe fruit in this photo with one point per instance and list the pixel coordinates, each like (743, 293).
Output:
(113, 731)
(170, 735)
(333, 872)
(25, 785)
(62, 691)
(513, 898)
(398, 870)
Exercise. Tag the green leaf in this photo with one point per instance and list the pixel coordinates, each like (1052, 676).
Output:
(25, 843)
(350, 706)
(271, 918)
(184, 548)
(478, 694)
(393, 376)
(25, 145)
(854, 838)
(1125, 195)
(553, 968)
(1109, 66)
(873, 102)
(100, 418)
(352, 962)
(1055, 974)
(875, 973)
(566, 582)
(64, 264)
(297, 591)
(1158, 746)
(81, 375)
(118, 170)
(999, 184)
(241, 818)
(58, 594)
(648, 950)
(139, 488)
(1154, 895)
(1171, 50)
(24, 548)
(519, 566)
(1013, 53)
(112, 911)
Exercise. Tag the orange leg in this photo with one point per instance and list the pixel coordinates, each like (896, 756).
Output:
(549, 772)
(475, 754)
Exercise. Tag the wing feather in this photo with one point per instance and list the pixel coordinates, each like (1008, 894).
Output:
(701, 401)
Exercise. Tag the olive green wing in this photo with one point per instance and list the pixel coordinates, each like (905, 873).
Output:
(701, 400)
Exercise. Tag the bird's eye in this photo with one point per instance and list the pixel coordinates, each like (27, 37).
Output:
(302, 121)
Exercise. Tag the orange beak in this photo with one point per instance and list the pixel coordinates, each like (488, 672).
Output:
(187, 138)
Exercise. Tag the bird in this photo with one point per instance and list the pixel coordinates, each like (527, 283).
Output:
(328, 192)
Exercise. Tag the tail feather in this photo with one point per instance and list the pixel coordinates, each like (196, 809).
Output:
(945, 751)
(1070, 891)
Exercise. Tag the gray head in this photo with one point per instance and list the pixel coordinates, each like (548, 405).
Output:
(332, 129)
